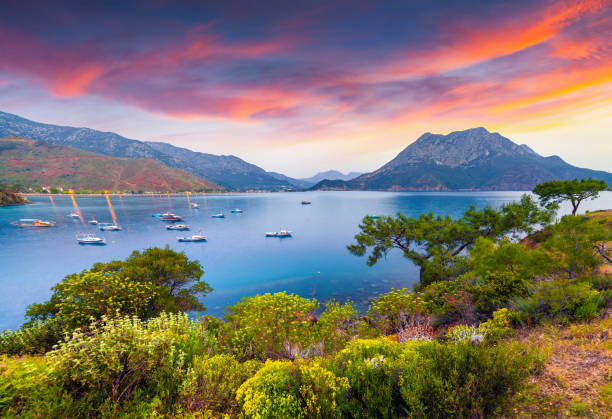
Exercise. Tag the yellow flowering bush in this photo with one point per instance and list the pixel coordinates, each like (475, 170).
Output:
(270, 325)
(299, 389)
(393, 311)
(80, 297)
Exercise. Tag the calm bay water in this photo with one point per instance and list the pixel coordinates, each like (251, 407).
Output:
(238, 260)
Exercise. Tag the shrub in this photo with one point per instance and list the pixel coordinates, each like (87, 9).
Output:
(373, 383)
(118, 359)
(336, 326)
(79, 297)
(37, 337)
(395, 310)
(448, 302)
(561, 300)
(145, 284)
(293, 390)
(277, 325)
(211, 384)
(461, 380)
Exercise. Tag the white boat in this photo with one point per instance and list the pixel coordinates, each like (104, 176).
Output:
(168, 216)
(32, 222)
(195, 238)
(194, 205)
(84, 238)
(236, 210)
(177, 227)
(220, 215)
(93, 221)
(279, 233)
(73, 215)
(109, 227)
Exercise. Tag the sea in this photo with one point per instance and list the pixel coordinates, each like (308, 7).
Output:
(238, 259)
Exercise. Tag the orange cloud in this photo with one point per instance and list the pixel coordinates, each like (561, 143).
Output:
(474, 44)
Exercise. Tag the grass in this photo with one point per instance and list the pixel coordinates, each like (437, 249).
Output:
(576, 379)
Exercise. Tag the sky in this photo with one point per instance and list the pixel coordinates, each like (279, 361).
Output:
(299, 87)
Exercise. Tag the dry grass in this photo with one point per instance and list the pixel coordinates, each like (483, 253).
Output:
(576, 379)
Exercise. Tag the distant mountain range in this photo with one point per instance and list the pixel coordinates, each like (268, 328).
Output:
(474, 159)
(330, 175)
(229, 172)
(37, 164)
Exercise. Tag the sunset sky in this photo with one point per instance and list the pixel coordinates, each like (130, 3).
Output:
(303, 86)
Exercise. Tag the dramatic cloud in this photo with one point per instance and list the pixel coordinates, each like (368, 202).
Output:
(331, 71)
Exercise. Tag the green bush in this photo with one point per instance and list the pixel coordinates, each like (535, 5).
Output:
(336, 326)
(461, 380)
(561, 300)
(36, 337)
(118, 360)
(394, 310)
(211, 384)
(283, 389)
(373, 383)
(448, 303)
(277, 325)
(80, 297)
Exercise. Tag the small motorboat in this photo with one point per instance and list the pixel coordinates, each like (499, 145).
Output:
(279, 233)
(194, 205)
(306, 202)
(73, 215)
(178, 227)
(236, 210)
(109, 227)
(93, 221)
(32, 222)
(195, 238)
(84, 238)
(168, 216)
(220, 215)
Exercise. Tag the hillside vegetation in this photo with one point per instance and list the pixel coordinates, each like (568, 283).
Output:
(36, 164)
(496, 327)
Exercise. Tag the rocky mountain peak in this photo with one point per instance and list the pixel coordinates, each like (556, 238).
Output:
(458, 148)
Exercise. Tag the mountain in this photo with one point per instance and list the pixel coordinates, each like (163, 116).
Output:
(330, 175)
(474, 159)
(228, 171)
(37, 163)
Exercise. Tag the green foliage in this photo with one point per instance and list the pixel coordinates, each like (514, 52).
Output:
(80, 297)
(145, 284)
(299, 389)
(212, 382)
(119, 359)
(393, 311)
(461, 380)
(448, 302)
(553, 192)
(561, 300)
(373, 385)
(336, 326)
(36, 337)
(435, 244)
(270, 326)
(572, 244)
(175, 278)
(430, 379)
